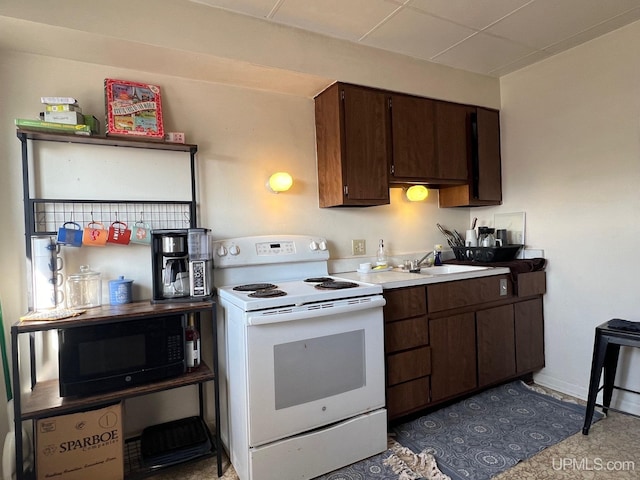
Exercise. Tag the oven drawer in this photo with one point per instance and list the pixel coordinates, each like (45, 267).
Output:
(405, 334)
(405, 366)
(407, 397)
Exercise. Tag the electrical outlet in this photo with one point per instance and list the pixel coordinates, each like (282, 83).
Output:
(358, 247)
(503, 287)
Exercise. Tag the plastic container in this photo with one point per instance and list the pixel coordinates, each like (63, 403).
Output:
(381, 255)
(120, 291)
(84, 289)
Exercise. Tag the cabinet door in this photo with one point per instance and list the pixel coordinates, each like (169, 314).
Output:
(453, 355)
(453, 140)
(404, 303)
(496, 344)
(489, 182)
(413, 133)
(408, 365)
(353, 147)
(404, 334)
(366, 146)
(529, 335)
(407, 397)
(485, 180)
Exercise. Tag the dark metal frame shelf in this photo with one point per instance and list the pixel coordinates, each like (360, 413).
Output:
(42, 217)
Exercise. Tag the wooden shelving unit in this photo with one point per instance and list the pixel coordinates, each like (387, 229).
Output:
(44, 399)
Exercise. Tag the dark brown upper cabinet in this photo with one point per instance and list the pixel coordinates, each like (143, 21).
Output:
(429, 141)
(353, 146)
(453, 141)
(369, 139)
(484, 187)
(413, 127)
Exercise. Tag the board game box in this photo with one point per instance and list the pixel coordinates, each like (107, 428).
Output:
(133, 108)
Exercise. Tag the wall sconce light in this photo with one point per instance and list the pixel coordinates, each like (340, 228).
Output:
(279, 182)
(417, 193)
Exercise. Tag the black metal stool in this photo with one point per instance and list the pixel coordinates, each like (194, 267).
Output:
(606, 349)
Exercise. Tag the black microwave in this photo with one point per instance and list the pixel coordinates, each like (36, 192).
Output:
(111, 356)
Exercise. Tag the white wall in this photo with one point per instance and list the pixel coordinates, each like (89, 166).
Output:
(571, 159)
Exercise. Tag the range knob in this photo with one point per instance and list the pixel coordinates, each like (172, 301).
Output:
(221, 251)
(313, 245)
(234, 249)
(323, 245)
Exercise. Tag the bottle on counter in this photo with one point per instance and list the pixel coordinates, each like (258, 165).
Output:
(381, 256)
(192, 341)
(437, 254)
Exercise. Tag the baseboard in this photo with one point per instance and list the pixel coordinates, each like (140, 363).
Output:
(625, 401)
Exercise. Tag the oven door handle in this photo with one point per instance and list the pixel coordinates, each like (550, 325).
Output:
(314, 310)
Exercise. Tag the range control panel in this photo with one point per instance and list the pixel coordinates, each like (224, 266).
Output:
(269, 249)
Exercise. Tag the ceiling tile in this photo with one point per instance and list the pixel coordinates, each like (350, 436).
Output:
(337, 18)
(476, 14)
(416, 34)
(483, 53)
(542, 23)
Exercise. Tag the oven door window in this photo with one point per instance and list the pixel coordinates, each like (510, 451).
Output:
(317, 368)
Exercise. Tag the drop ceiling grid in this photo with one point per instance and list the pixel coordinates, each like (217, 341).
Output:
(492, 37)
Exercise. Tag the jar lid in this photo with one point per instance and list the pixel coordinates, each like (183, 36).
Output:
(120, 280)
(84, 274)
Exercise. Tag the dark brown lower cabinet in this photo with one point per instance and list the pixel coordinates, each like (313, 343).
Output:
(449, 339)
(529, 335)
(453, 355)
(496, 347)
(407, 397)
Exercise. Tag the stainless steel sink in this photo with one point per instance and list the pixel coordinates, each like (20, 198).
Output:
(449, 269)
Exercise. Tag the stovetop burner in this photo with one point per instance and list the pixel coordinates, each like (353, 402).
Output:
(252, 287)
(318, 279)
(267, 293)
(335, 285)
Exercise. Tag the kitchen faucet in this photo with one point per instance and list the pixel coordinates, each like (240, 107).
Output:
(423, 259)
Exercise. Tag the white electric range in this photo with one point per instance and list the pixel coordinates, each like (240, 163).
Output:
(301, 359)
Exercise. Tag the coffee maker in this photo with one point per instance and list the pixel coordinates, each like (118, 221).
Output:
(181, 265)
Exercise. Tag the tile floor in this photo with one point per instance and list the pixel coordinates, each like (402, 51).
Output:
(610, 451)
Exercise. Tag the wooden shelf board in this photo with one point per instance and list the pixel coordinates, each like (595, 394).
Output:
(45, 401)
(113, 313)
(131, 142)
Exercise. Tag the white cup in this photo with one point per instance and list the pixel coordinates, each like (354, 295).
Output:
(365, 267)
(471, 239)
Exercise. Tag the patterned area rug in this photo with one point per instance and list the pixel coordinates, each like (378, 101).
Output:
(397, 463)
(474, 439)
(477, 438)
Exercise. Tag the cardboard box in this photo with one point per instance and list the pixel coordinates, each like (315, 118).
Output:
(63, 108)
(81, 446)
(70, 118)
(133, 109)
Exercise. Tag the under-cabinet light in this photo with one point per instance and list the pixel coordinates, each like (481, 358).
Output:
(417, 193)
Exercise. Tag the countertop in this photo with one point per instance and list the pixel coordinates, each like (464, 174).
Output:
(398, 278)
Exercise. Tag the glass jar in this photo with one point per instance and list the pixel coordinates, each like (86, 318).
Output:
(84, 289)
